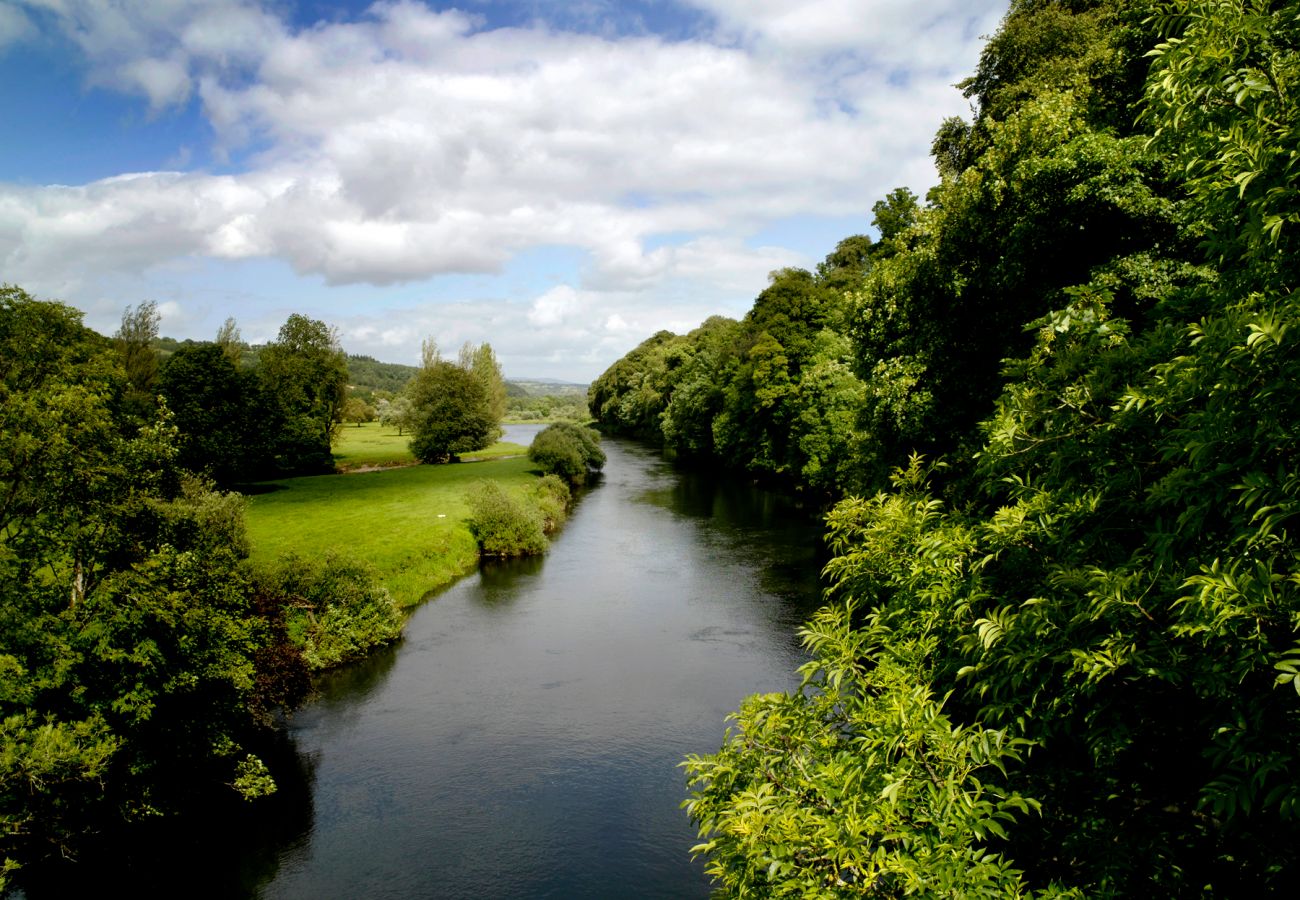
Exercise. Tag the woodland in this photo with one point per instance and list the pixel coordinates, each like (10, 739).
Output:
(1052, 411)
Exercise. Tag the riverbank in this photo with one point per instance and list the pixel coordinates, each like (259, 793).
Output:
(408, 522)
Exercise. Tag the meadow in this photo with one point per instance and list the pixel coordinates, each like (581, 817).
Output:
(374, 445)
(408, 521)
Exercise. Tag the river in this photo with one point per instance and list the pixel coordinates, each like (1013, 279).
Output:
(523, 739)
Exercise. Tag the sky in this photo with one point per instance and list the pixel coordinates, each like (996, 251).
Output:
(559, 179)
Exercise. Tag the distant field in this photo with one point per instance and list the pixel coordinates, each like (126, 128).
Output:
(407, 522)
(373, 444)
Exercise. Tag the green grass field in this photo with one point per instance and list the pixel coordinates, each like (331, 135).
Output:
(409, 522)
(373, 444)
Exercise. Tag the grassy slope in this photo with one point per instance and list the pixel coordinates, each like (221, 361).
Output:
(373, 444)
(388, 518)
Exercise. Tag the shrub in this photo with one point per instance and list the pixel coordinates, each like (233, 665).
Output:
(502, 524)
(567, 450)
(553, 501)
(337, 610)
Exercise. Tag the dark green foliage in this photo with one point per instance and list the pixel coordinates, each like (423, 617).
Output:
(368, 375)
(336, 609)
(570, 451)
(132, 670)
(305, 371)
(449, 413)
(226, 419)
(505, 525)
(1105, 593)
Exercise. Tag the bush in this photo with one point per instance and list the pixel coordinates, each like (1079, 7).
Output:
(567, 450)
(553, 501)
(337, 610)
(502, 524)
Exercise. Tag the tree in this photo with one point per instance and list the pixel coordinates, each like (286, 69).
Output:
(228, 339)
(134, 341)
(449, 413)
(357, 410)
(567, 450)
(306, 371)
(228, 425)
(483, 363)
(1069, 667)
(131, 668)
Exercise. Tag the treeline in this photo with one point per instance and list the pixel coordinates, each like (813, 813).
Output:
(1058, 399)
(239, 423)
(142, 658)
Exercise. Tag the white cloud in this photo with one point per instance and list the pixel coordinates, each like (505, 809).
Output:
(891, 33)
(14, 26)
(413, 143)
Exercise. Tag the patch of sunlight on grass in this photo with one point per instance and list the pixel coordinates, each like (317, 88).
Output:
(372, 444)
(409, 522)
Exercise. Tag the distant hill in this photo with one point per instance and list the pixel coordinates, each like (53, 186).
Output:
(548, 387)
(367, 374)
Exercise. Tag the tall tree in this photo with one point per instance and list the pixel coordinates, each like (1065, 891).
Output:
(306, 370)
(229, 340)
(482, 362)
(134, 341)
(449, 413)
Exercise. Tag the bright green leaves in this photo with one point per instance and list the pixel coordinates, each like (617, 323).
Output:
(858, 786)
(1222, 97)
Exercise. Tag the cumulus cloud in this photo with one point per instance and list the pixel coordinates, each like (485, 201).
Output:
(891, 33)
(409, 144)
(413, 142)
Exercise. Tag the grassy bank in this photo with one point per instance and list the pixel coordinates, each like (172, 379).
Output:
(372, 444)
(406, 522)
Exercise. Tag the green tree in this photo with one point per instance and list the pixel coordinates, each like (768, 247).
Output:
(131, 663)
(226, 425)
(482, 361)
(570, 451)
(306, 370)
(134, 342)
(450, 412)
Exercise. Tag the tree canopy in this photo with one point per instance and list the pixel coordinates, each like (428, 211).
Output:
(1054, 410)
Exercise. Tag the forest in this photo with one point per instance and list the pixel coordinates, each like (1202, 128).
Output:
(1051, 411)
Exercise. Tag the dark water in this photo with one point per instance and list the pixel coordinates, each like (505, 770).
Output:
(523, 740)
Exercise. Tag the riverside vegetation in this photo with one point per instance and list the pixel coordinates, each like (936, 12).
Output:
(1053, 411)
(150, 636)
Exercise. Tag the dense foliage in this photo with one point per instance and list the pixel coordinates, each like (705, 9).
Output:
(137, 662)
(450, 412)
(506, 524)
(242, 419)
(335, 609)
(568, 451)
(1060, 649)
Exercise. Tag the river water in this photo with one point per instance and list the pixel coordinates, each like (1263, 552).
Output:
(523, 739)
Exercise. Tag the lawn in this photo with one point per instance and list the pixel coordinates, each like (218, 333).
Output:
(407, 522)
(372, 444)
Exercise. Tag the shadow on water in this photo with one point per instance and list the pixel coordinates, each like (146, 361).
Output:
(226, 847)
(224, 850)
(498, 579)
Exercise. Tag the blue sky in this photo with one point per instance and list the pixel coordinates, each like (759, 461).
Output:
(561, 179)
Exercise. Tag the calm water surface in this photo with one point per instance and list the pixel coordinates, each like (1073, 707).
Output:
(523, 740)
